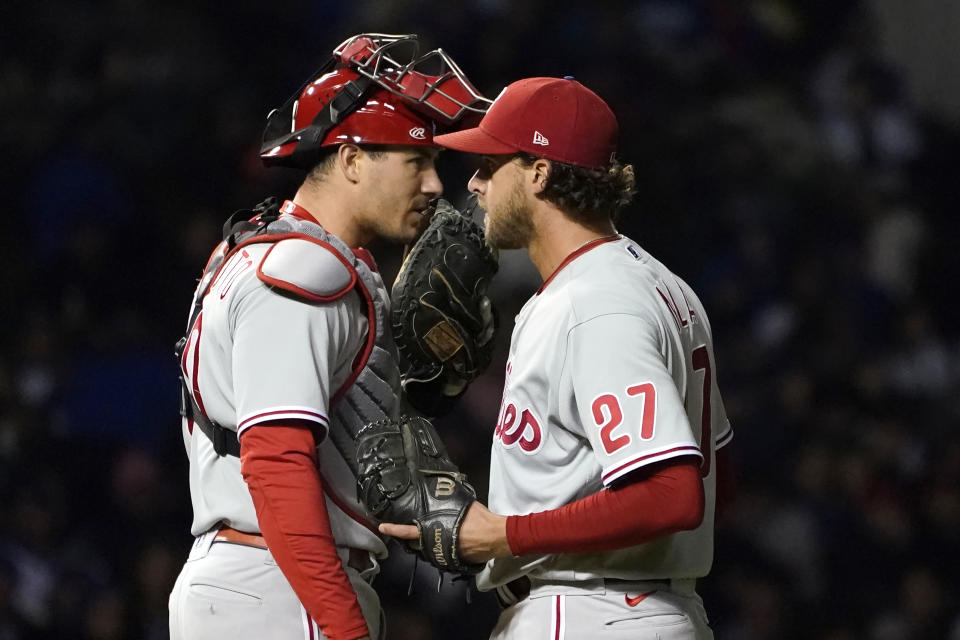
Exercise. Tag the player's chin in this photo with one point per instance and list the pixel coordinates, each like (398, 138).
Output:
(416, 222)
(500, 241)
(404, 235)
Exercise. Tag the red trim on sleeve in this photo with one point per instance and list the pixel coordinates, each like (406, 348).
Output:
(674, 452)
(279, 466)
(668, 501)
(292, 413)
(576, 254)
(725, 439)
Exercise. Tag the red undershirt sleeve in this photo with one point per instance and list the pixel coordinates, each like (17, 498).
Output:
(278, 462)
(669, 500)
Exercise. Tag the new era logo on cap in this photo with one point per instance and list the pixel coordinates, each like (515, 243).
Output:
(539, 138)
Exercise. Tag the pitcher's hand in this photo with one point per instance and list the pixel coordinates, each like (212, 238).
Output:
(483, 534)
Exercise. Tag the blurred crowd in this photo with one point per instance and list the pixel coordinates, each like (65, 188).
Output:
(784, 171)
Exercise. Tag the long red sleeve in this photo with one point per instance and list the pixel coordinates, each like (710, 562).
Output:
(278, 463)
(665, 502)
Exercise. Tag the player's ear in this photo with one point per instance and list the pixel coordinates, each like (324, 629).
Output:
(348, 162)
(540, 171)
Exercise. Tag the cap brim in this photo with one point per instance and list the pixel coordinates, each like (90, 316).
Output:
(474, 140)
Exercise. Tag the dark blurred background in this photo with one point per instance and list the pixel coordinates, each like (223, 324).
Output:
(796, 164)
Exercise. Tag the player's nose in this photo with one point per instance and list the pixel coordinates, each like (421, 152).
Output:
(431, 184)
(475, 184)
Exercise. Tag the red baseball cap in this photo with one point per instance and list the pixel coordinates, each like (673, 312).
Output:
(554, 118)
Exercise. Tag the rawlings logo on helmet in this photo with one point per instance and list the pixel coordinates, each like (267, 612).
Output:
(418, 133)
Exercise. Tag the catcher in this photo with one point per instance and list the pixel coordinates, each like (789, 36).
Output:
(288, 352)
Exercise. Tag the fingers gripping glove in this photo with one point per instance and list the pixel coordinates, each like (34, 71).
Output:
(405, 476)
(443, 322)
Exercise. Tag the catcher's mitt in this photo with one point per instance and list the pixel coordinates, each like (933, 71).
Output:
(406, 477)
(443, 322)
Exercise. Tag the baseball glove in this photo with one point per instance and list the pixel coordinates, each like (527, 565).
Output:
(405, 476)
(443, 322)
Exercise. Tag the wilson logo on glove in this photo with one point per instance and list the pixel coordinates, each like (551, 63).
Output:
(438, 547)
(405, 476)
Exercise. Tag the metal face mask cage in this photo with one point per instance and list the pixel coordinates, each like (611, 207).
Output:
(392, 61)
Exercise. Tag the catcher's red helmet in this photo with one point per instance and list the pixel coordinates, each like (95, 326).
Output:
(374, 90)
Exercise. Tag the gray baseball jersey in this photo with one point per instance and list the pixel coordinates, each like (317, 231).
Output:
(611, 368)
(255, 354)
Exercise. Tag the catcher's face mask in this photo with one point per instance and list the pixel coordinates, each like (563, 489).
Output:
(375, 89)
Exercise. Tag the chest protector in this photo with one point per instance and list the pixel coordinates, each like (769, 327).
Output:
(372, 392)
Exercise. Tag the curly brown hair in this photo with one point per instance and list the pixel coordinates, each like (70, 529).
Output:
(586, 194)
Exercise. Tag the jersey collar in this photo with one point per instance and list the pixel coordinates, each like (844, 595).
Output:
(576, 254)
(292, 208)
(295, 210)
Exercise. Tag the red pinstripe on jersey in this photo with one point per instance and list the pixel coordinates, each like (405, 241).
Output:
(298, 413)
(725, 438)
(558, 621)
(310, 629)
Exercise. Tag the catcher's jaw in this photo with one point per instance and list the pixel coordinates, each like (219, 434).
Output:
(393, 192)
